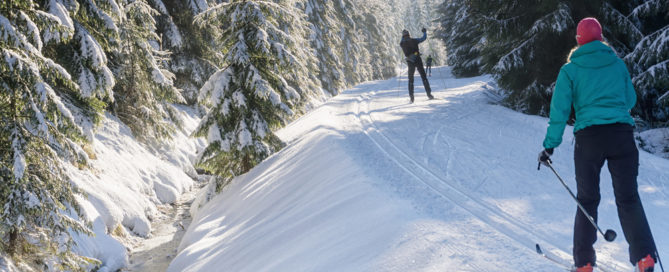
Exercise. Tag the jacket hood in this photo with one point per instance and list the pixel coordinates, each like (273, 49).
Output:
(594, 54)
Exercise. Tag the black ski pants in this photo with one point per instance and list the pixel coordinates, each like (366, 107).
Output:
(615, 144)
(418, 64)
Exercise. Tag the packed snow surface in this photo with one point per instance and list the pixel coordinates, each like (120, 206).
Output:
(369, 182)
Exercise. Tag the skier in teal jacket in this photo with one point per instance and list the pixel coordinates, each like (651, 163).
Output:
(596, 82)
(598, 86)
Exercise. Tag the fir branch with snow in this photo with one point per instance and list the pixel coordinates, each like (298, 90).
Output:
(321, 16)
(649, 61)
(463, 43)
(193, 57)
(251, 97)
(145, 88)
(38, 135)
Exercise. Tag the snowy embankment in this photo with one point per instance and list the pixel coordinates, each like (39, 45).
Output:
(369, 182)
(127, 183)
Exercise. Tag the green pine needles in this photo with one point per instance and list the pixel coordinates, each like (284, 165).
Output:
(145, 89)
(523, 44)
(252, 95)
(38, 131)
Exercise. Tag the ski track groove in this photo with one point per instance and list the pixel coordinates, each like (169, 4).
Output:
(650, 181)
(453, 249)
(516, 231)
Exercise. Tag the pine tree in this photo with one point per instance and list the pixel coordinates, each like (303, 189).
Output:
(40, 131)
(326, 43)
(251, 96)
(375, 30)
(144, 89)
(649, 61)
(85, 55)
(463, 42)
(193, 58)
(524, 47)
(352, 51)
(525, 50)
(304, 61)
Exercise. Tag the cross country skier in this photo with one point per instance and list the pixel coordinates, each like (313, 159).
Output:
(597, 84)
(412, 54)
(428, 65)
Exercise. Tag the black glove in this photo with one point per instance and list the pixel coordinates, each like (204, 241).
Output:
(545, 157)
(423, 30)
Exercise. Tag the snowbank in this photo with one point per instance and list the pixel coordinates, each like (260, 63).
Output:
(125, 184)
(655, 141)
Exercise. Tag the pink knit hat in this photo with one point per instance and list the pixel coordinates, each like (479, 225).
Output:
(588, 30)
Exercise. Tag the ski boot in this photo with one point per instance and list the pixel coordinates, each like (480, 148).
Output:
(585, 268)
(646, 264)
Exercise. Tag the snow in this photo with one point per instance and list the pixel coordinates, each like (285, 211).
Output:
(90, 49)
(368, 182)
(6, 264)
(664, 96)
(214, 135)
(92, 52)
(655, 141)
(56, 8)
(213, 89)
(32, 30)
(198, 6)
(19, 159)
(127, 183)
(244, 137)
(44, 90)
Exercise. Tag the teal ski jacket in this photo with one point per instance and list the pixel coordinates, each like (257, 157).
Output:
(596, 82)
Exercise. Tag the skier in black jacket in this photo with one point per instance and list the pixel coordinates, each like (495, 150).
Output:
(410, 48)
(428, 65)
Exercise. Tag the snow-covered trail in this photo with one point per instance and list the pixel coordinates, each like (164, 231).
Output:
(369, 182)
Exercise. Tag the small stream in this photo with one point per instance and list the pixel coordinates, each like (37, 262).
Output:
(156, 252)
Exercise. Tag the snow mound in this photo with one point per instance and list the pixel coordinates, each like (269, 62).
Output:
(125, 184)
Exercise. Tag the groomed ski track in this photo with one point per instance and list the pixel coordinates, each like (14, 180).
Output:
(521, 233)
(369, 182)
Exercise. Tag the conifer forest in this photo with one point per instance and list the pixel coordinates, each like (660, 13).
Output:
(249, 68)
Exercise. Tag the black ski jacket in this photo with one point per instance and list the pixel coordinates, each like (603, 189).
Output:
(410, 46)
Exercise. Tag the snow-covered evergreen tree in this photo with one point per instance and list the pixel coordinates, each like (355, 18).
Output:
(40, 129)
(251, 96)
(377, 31)
(352, 50)
(85, 55)
(302, 77)
(144, 88)
(517, 45)
(649, 61)
(193, 58)
(433, 46)
(463, 42)
(321, 15)
(524, 47)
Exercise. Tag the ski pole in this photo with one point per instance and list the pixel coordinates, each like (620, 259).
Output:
(610, 235)
(399, 84)
(657, 254)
